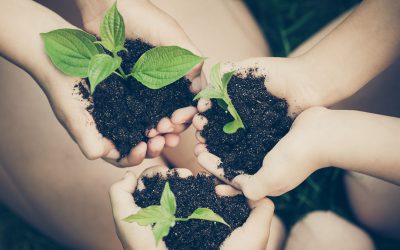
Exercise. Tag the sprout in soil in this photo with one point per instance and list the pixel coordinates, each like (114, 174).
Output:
(77, 53)
(162, 217)
(218, 89)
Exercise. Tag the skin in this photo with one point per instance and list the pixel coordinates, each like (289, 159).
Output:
(252, 235)
(26, 142)
(313, 79)
(71, 111)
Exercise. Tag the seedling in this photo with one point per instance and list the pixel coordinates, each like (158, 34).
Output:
(162, 217)
(218, 89)
(77, 53)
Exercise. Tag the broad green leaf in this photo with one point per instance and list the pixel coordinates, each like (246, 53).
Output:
(168, 201)
(100, 67)
(112, 30)
(149, 215)
(207, 214)
(161, 229)
(225, 80)
(234, 125)
(70, 50)
(161, 66)
(210, 93)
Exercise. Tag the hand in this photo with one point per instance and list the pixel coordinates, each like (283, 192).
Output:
(319, 137)
(141, 19)
(252, 235)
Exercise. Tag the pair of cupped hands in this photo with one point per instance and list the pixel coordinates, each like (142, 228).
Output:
(293, 159)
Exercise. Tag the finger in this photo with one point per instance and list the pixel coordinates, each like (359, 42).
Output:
(152, 133)
(183, 115)
(211, 163)
(155, 146)
(135, 156)
(200, 148)
(203, 105)
(183, 172)
(165, 126)
(199, 137)
(288, 164)
(171, 140)
(226, 190)
(199, 121)
(121, 197)
(195, 87)
(253, 234)
(111, 152)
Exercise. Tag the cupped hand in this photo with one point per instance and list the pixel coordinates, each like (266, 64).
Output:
(274, 178)
(252, 235)
(142, 20)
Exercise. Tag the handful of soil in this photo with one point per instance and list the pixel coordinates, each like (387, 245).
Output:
(124, 109)
(265, 118)
(191, 193)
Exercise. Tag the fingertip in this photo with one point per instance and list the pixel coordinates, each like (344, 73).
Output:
(152, 133)
(183, 172)
(226, 190)
(204, 104)
(251, 187)
(165, 126)
(155, 146)
(183, 115)
(137, 154)
(199, 121)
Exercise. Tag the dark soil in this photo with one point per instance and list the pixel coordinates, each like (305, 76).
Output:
(125, 109)
(265, 118)
(191, 193)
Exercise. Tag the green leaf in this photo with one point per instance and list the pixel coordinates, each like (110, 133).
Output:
(168, 201)
(207, 214)
(112, 30)
(70, 50)
(161, 229)
(100, 67)
(225, 80)
(161, 66)
(215, 77)
(149, 215)
(232, 127)
(210, 93)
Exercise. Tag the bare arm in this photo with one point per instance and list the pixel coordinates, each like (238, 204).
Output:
(366, 43)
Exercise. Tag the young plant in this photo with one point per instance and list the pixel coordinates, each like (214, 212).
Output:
(218, 89)
(77, 53)
(162, 217)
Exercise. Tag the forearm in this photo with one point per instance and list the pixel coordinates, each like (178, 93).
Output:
(20, 40)
(362, 142)
(356, 51)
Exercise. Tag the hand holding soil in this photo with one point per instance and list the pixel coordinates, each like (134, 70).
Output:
(134, 121)
(248, 233)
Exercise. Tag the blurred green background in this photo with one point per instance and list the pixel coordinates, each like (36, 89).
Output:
(286, 24)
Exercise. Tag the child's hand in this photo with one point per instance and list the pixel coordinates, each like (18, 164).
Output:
(318, 138)
(252, 235)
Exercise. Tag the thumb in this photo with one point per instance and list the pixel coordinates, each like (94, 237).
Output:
(288, 164)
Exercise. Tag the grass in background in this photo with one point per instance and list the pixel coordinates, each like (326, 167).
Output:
(286, 24)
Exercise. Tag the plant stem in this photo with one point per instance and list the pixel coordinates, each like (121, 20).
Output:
(122, 73)
(118, 74)
(181, 219)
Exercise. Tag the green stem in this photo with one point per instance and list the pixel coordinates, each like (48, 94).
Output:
(122, 73)
(181, 219)
(118, 74)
